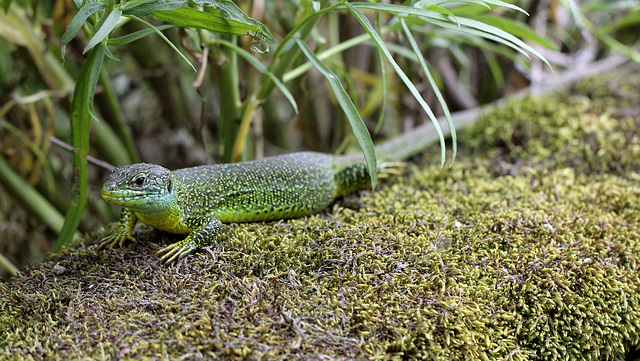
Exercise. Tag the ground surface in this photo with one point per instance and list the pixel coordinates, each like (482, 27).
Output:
(526, 249)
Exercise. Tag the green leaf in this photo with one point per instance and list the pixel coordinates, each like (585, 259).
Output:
(29, 197)
(80, 119)
(442, 10)
(109, 55)
(412, 88)
(78, 20)
(192, 18)
(263, 70)
(6, 4)
(472, 10)
(517, 28)
(147, 7)
(452, 40)
(229, 10)
(357, 124)
(473, 27)
(130, 38)
(107, 27)
(383, 76)
(494, 68)
(505, 5)
(157, 31)
(630, 18)
(465, 25)
(434, 86)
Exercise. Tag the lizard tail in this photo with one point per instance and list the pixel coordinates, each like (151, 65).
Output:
(409, 144)
(397, 149)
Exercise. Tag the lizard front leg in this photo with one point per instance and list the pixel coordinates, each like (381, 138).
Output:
(206, 230)
(124, 231)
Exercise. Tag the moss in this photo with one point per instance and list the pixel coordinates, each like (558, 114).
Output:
(526, 249)
(592, 128)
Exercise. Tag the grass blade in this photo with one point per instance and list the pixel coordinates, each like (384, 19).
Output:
(76, 23)
(157, 31)
(383, 76)
(357, 124)
(192, 18)
(130, 38)
(104, 31)
(434, 86)
(144, 8)
(8, 266)
(465, 25)
(80, 117)
(506, 5)
(412, 88)
(262, 69)
(519, 29)
(29, 198)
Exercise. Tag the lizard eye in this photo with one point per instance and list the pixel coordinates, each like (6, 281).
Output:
(139, 181)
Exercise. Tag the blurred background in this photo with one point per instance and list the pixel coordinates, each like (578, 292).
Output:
(153, 107)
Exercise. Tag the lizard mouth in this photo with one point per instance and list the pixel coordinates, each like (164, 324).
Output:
(119, 197)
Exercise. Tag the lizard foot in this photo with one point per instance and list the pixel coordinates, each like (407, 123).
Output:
(116, 238)
(388, 169)
(178, 249)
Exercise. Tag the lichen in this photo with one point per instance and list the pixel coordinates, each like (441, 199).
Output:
(525, 249)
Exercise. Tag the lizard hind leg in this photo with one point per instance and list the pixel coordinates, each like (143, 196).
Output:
(205, 232)
(355, 176)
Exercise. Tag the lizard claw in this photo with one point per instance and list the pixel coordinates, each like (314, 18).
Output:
(123, 232)
(117, 238)
(175, 250)
(389, 169)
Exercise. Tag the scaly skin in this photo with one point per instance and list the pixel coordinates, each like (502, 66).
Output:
(197, 201)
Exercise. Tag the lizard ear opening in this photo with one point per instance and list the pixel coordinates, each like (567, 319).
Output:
(169, 185)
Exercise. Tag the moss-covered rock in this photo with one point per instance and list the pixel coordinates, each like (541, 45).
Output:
(593, 128)
(526, 249)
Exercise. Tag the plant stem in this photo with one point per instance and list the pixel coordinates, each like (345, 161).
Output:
(29, 198)
(230, 103)
(117, 118)
(243, 130)
(285, 60)
(6, 264)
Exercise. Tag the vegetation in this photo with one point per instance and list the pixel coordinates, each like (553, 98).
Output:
(512, 253)
(525, 248)
(87, 82)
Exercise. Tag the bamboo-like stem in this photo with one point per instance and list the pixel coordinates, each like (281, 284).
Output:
(230, 102)
(243, 130)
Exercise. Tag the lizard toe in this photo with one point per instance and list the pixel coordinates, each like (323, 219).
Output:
(175, 250)
(116, 239)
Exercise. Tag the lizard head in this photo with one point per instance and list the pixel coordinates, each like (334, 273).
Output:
(138, 186)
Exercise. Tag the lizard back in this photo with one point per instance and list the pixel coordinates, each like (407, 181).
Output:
(286, 186)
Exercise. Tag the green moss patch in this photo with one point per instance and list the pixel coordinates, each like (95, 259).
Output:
(526, 249)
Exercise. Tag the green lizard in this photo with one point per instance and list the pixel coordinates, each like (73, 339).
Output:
(197, 201)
